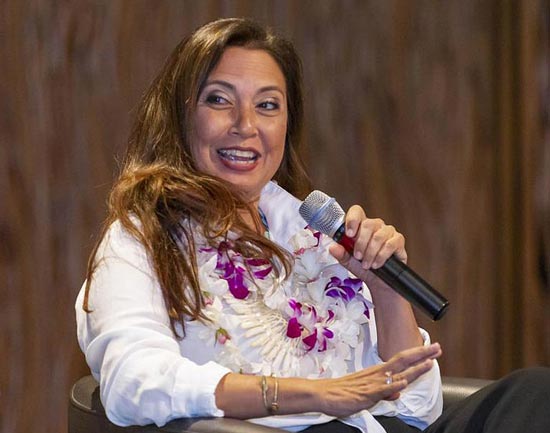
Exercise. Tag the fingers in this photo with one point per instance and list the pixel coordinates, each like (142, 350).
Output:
(392, 391)
(401, 362)
(375, 241)
(382, 244)
(393, 397)
(412, 373)
(354, 216)
(412, 363)
(371, 232)
(363, 389)
(339, 253)
(412, 356)
(349, 394)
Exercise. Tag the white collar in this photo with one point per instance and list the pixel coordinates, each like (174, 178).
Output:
(281, 210)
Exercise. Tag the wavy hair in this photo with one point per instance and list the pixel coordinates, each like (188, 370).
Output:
(160, 186)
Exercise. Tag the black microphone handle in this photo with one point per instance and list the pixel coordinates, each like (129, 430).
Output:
(404, 281)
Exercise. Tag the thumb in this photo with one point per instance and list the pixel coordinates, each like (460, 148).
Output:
(339, 253)
(393, 397)
(347, 260)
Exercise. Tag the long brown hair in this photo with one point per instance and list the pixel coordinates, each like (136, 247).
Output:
(160, 185)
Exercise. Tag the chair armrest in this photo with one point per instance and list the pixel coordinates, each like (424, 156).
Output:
(87, 415)
(458, 388)
(216, 425)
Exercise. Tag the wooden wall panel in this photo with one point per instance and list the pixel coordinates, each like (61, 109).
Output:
(533, 111)
(433, 115)
(406, 129)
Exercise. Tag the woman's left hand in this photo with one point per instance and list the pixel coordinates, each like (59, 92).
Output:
(375, 242)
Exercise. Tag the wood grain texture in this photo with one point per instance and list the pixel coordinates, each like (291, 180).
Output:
(433, 115)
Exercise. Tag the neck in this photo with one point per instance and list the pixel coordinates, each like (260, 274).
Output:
(252, 221)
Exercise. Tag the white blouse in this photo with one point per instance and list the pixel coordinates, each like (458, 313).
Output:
(146, 375)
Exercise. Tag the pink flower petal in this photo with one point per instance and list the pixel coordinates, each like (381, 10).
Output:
(318, 237)
(311, 340)
(262, 273)
(296, 307)
(293, 330)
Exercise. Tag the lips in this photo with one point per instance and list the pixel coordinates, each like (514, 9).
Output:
(238, 158)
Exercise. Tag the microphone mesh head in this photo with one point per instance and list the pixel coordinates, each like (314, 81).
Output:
(322, 213)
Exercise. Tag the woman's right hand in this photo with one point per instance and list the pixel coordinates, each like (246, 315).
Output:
(354, 392)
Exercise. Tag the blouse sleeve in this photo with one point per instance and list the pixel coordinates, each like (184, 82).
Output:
(421, 403)
(129, 344)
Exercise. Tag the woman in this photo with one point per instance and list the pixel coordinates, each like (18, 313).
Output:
(207, 297)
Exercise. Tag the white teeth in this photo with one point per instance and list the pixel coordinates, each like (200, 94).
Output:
(238, 155)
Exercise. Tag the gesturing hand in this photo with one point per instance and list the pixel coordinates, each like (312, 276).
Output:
(349, 394)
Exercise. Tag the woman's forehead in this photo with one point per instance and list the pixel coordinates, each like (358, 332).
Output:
(238, 64)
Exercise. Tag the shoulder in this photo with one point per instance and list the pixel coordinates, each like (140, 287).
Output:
(119, 243)
(122, 271)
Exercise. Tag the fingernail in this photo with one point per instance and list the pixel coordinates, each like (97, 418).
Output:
(349, 232)
(358, 255)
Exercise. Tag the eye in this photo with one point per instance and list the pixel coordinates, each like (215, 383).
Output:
(214, 99)
(269, 105)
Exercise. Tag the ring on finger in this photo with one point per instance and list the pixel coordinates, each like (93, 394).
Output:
(389, 377)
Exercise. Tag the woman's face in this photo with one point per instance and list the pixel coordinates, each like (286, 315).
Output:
(241, 119)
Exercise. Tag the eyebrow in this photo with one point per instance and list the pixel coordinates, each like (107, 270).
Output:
(232, 87)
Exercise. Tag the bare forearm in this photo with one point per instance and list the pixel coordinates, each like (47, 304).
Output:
(375, 242)
(240, 395)
(396, 326)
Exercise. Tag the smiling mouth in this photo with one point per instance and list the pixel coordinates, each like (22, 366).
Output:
(238, 155)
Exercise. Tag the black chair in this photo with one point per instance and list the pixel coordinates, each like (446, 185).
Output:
(86, 414)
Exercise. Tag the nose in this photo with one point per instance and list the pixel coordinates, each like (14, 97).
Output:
(244, 123)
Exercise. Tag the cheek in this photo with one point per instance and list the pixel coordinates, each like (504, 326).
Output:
(277, 133)
(205, 131)
(206, 126)
(198, 154)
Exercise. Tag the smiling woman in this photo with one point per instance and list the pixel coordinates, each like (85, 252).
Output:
(207, 295)
(241, 121)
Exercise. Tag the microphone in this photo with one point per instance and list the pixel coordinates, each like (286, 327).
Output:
(324, 214)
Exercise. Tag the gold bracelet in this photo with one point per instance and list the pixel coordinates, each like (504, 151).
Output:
(264, 392)
(275, 403)
(272, 408)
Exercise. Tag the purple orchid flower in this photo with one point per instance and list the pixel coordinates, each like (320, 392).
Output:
(294, 327)
(367, 311)
(309, 320)
(347, 289)
(232, 267)
(295, 306)
(311, 340)
(236, 283)
(319, 339)
(326, 334)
